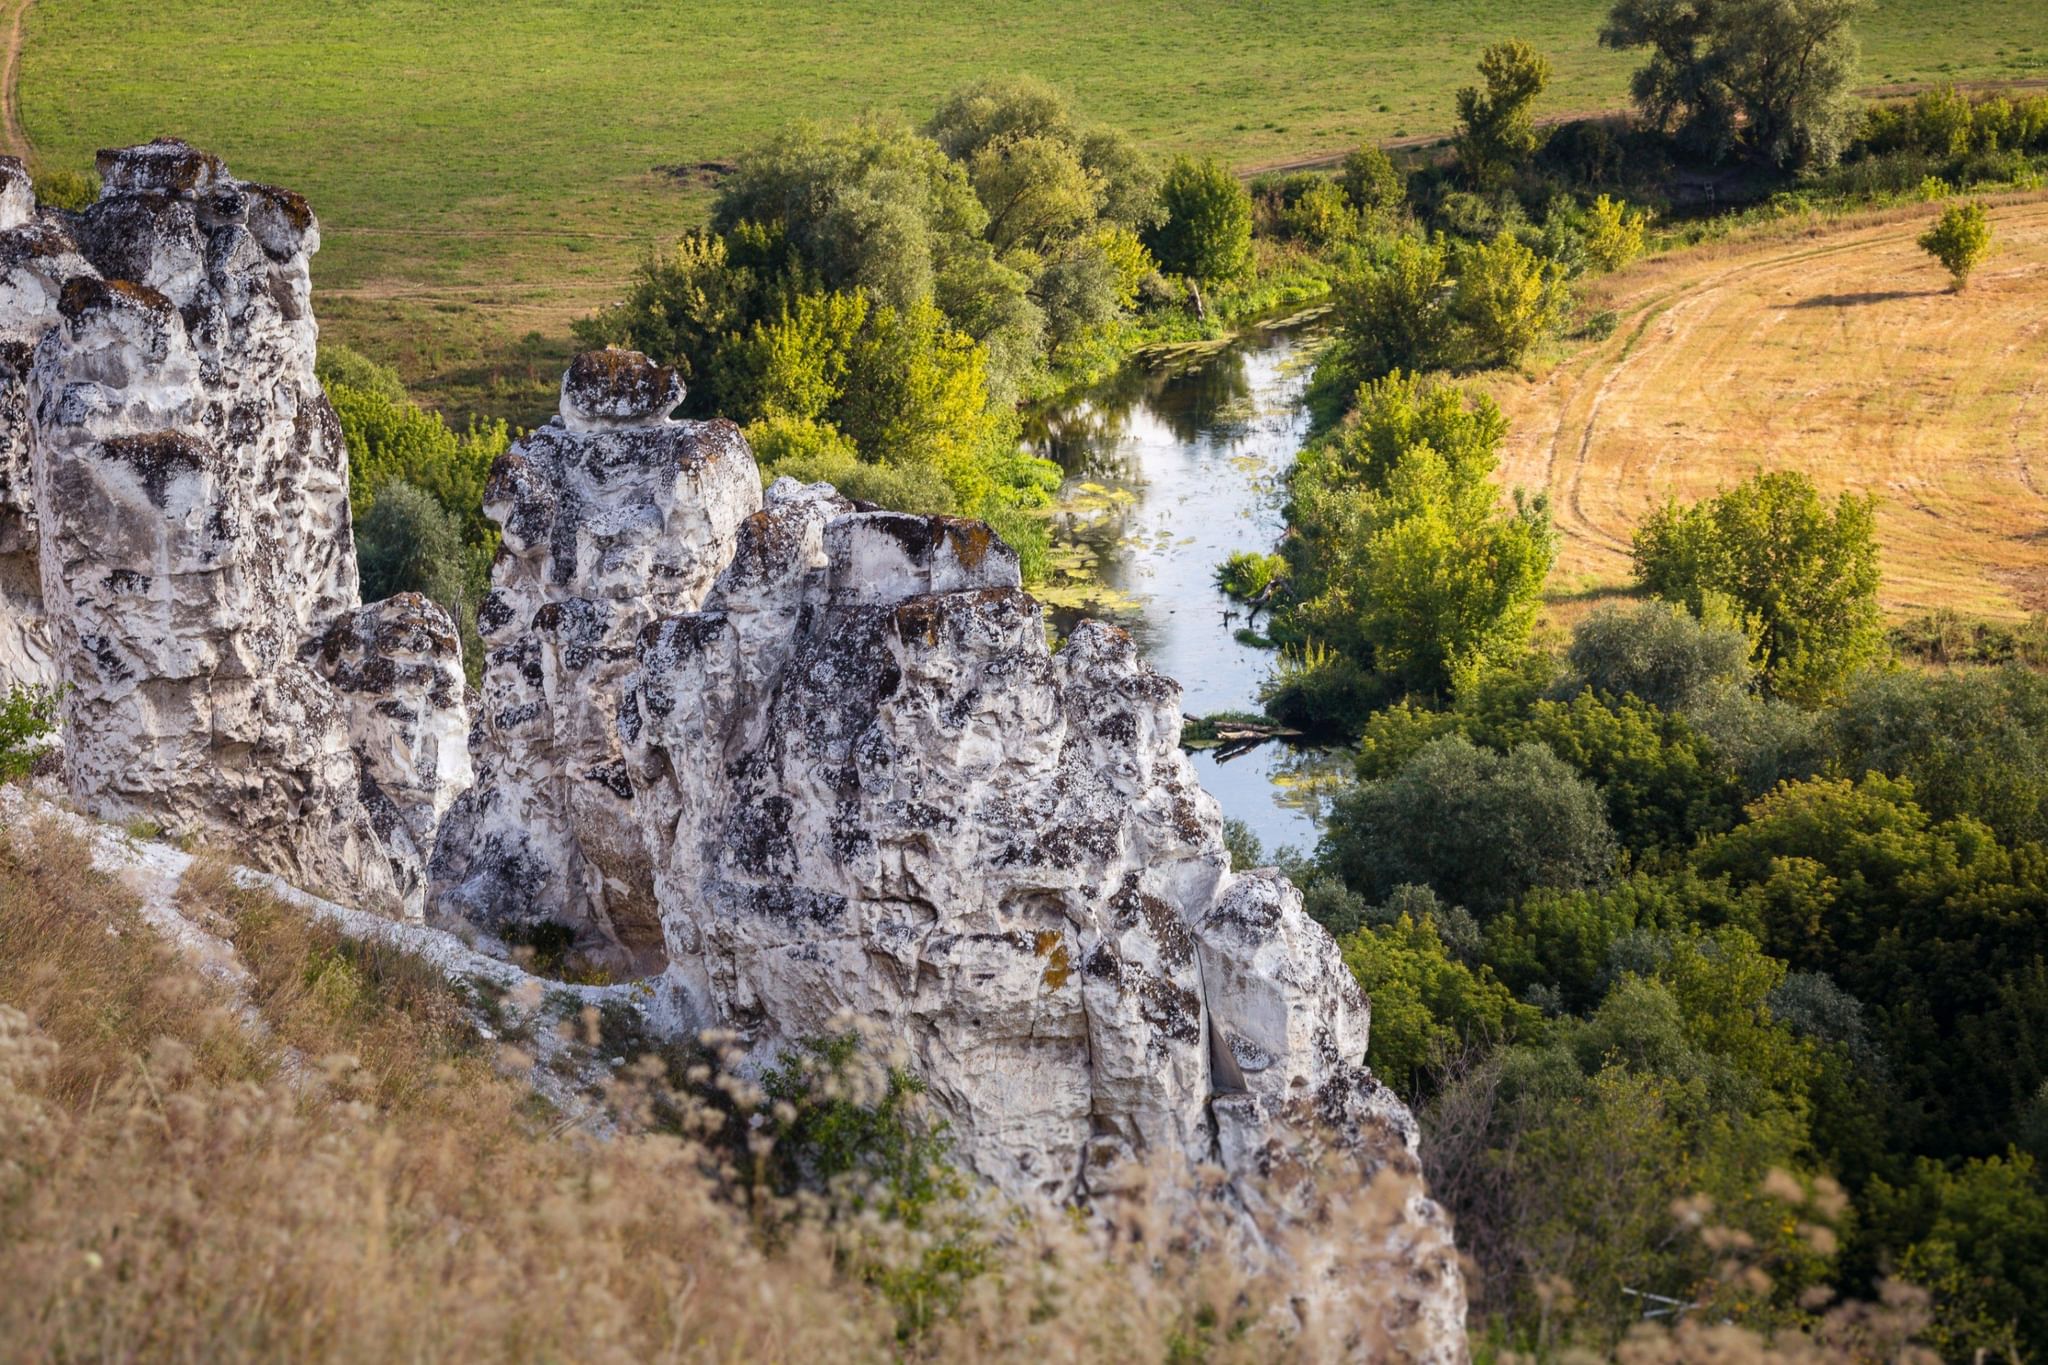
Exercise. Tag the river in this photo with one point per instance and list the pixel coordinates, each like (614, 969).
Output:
(1168, 471)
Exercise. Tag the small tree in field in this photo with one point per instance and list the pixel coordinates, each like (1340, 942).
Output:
(1959, 239)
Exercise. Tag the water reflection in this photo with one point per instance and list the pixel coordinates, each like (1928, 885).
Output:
(1167, 473)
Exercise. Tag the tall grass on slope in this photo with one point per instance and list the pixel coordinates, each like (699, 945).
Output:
(360, 1177)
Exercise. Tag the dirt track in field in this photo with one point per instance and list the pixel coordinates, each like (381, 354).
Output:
(1839, 352)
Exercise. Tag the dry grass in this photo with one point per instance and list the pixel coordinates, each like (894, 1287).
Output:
(357, 1179)
(1839, 352)
(364, 1182)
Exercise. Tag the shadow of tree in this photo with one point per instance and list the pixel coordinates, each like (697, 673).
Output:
(1872, 296)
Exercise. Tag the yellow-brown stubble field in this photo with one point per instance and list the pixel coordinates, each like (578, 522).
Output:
(1837, 351)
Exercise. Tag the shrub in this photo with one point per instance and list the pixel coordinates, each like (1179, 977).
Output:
(27, 720)
(1321, 215)
(1207, 231)
(1476, 826)
(1661, 653)
(1372, 182)
(74, 191)
(1247, 573)
(1397, 315)
(1613, 233)
(1959, 239)
(1507, 299)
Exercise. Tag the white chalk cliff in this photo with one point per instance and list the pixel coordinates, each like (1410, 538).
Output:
(789, 758)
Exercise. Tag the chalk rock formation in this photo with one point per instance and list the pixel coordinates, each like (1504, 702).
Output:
(37, 254)
(613, 515)
(869, 788)
(187, 504)
(397, 666)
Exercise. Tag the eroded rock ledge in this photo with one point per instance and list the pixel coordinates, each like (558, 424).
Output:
(788, 758)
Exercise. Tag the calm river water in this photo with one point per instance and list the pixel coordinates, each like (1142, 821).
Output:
(1167, 473)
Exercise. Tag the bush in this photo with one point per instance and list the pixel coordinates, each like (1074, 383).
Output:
(74, 191)
(1613, 233)
(1247, 573)
(1660, 653)
(27, 720)
(1372, 182)
(1207, 232)
(1959, 239)
(814, 452)
(1507, 299)
(1478, 827)
(1397, 315)
(1320, 216)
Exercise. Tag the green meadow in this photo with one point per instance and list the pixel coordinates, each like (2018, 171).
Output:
(485, 172)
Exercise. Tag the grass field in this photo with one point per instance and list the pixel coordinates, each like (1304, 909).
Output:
(487, 170)
(1841, 354)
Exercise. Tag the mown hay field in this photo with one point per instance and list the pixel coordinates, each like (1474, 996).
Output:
(488, 170)
(1839, 351)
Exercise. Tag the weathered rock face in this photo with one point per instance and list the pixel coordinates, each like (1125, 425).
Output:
(613, 515)
(869, 788)
(397, 666)
(36, 256)
(182, 483)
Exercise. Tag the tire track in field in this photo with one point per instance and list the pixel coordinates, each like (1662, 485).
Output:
(10, 86)
(1690, 332)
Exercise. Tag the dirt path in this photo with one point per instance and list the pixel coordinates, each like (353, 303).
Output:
(1838, 351)
(10, 84)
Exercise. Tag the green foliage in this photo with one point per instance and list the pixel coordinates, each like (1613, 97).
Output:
(1663, 783)
(338, 365)
(1971, 742)
(28, 718)
(1927, 921)
(1507, 299)
(1496, 132)
(74, 191)
(391, 439)
(1660, 653)
(1402, 558)
(1767, 78)
(1960, 239)
(1247, 573)
(1373, 184)
(1320, 216)
(1977, 1236)
(1805, 578)
(1396, 315)
(1613, 234)
(407, 542)
(1476, 826)
(1207, 231)
(1427, 1007)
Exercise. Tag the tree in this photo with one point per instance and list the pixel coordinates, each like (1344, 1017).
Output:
(1372, 182)
(1402, 557)
(1426, 1005)
(1476, 826)
(1770, 78)
(1507, 298)
(1804, 577)
(1397, 314)
(408, 543)
(1977, 1236)
(1496, 134)
(28, 717)
(1959, 239)
(1613, 233)
(1207, 231)
(1660, 653)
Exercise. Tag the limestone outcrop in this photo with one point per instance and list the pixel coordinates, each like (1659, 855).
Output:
(182, 484)
(613, 515)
